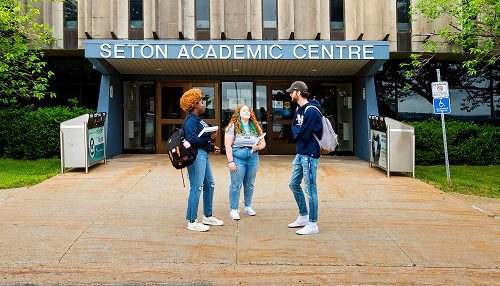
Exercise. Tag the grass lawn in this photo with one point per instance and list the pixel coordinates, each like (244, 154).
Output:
(471, 180)
(18, 173)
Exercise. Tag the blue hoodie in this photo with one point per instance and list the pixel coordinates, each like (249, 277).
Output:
(303, 127)
(192, 127)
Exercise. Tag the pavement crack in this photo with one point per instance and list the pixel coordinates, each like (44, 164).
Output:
(99, 216)
(237, 240)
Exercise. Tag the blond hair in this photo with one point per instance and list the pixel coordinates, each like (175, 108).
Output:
(236, 122)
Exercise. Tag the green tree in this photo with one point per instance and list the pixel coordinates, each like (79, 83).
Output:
(473, 30)
(22, 70)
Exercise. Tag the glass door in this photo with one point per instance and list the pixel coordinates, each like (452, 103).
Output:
(170, 114)
(281, 110)
(138, 117)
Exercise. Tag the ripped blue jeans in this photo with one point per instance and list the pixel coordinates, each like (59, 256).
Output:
(200, 179)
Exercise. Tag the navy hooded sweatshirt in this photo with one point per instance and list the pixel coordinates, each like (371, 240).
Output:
(304, 126)
(192, 127)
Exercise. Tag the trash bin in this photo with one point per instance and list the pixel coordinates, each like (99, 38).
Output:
(83, 141)
(392, 145)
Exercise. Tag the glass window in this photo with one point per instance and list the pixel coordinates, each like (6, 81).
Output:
(208, 95)
(337, 14)
(202, 14)
(234, 94)
(270, 15)
(136, 14)
(170, 102)
(403, 15)
(261, 105)
(70, 14)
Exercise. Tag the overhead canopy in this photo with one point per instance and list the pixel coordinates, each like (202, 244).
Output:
(269, 58)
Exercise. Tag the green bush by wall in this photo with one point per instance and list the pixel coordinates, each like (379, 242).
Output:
(29, 133)
(468, 143)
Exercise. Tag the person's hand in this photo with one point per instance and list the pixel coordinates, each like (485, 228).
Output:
(213, 135)
(255, 148)
(232, 167)
(216, 150)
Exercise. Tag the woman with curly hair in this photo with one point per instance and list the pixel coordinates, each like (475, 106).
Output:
(200, 173)
(242, 145)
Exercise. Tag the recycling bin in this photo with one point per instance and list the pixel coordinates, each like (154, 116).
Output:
(83, 141)
(392, 145)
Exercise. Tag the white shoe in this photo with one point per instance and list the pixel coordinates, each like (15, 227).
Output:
(310, 228)
(212, 221)
(234, 214)
(196, 226)
(250, 211)
(302, 220)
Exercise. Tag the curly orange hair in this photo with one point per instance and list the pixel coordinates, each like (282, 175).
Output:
(189, 99)
(236, 121)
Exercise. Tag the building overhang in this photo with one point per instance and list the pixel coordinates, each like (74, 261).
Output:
(237, 58)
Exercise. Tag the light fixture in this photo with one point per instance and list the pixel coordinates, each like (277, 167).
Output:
(236, 70)
(314, 70)
(159, 69)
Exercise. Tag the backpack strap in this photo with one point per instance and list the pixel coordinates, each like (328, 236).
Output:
(312, 106)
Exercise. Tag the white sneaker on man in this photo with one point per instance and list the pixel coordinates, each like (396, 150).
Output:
(302, 220)
(212, 221)
(234, 214)
(196, 226)
(310, 228)
(250, 211)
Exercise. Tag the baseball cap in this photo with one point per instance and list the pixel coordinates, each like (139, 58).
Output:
(297, 85)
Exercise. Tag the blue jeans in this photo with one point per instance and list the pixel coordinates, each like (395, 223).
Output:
(246, 171)
(305, 167)
(200, 179)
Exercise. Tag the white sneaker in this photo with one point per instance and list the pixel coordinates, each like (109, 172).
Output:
(234, 214)
(310, 228)
(196, 226)
(250, 211)
(302, 220)
(211, 220)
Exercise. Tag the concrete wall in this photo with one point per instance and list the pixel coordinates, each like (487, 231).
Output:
(306, 18)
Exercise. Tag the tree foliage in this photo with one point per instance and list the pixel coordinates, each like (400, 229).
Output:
(473, 30)
(22, 70)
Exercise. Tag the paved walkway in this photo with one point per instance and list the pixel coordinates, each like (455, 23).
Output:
(124, 223)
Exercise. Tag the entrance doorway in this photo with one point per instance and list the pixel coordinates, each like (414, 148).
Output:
(170, 115)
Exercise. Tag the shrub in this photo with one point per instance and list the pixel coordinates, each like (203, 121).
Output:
(468, 143)
(29, 133)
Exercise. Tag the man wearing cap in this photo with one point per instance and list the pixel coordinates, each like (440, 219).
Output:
(304, 125)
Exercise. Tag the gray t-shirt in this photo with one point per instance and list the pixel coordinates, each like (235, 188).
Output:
(240, 140)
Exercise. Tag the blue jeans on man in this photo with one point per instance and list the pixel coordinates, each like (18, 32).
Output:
(247, 164)
(200, 179)
(304, 167)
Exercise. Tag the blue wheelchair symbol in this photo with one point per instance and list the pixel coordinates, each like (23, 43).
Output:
(442, 105)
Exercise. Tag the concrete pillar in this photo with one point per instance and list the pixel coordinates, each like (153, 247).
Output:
(188, 18)
(149, 18)
(121, 17)
(365, 103)
(57, 24)
(84, 21)
(305, 19)
(215, 19)
(256, 19)
(390, 24)
(235, 19)
(100, 19)
(324, 16)
(168, 19)
(372, 22)
(352, 19)
(286, 18)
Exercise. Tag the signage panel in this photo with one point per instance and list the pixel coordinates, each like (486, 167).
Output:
(442, 105)
(440, 89)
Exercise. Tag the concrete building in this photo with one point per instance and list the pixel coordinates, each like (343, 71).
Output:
(148, 52)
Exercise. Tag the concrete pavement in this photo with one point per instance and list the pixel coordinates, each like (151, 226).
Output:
(124, 223)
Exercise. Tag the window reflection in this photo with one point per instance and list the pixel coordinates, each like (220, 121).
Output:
(234, 94)
(208, 95)
(136, 17)
(202, 14)
(70, 14)
(270, 15)
(403, 15)
(337, 14)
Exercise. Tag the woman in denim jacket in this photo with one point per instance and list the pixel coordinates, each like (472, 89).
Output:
(200, 173)
(242, 145)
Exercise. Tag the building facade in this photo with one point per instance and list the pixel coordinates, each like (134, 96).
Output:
(149, 52)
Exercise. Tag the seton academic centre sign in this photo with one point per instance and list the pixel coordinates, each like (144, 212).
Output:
(237, 50)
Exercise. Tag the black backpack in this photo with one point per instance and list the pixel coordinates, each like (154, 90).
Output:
(179, 155)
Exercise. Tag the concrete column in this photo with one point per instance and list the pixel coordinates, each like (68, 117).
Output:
(286, 16)
(101, 19)
(58, 24)
(149, 18)
(372, 22)
(256, 19)
(121, 18)
(390, 24)
(305, 21)
(235, 19)
(353, 19)
(324, 16)
(215, 19)
(188, 18)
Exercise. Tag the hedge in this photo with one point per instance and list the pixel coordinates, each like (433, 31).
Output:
(468, 143)
(29, 133)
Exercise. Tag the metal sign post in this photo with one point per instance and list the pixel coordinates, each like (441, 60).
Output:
(441, 95)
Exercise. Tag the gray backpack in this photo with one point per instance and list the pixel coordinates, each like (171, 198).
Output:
(329, 140)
